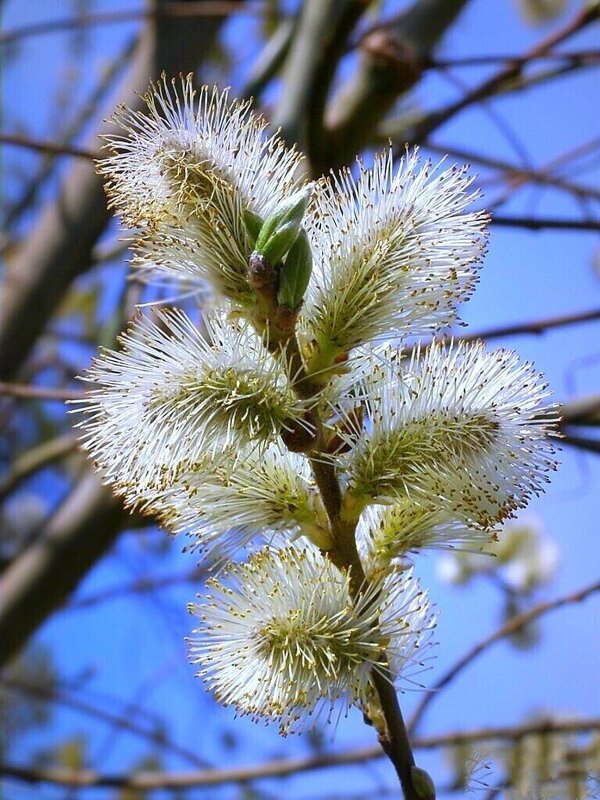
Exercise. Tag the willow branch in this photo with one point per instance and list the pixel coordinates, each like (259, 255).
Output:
(342, 552)
(53, 694)
(290, 766)
(36, 459)
(533, 327)
(513, 625)
(178, 10)
(574, 56)
(22, 391)
(505, 76)
(394, 739)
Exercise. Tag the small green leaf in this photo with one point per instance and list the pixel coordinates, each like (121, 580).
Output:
(253, 223)
(279, 231)
(422, 783)
(295, 273)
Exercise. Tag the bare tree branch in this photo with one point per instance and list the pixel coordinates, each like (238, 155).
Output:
(390, 66)
(59, 248)
(514, 624)
(582, 411)
(37, 581)
(150, 781)
(539, 223)
(35, 459)
(155, 735)
(504, 76)
(516, 174)
(73, 128)
(50, 148)
(532, 327)
(179, 10)
(22, 391)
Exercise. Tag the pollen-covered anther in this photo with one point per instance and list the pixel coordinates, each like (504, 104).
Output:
(186, 171)
(395, 251)
(458, 427)
(170, 396)
(281, 639)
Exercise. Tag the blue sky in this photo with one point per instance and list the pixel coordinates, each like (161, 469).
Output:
(135, 647)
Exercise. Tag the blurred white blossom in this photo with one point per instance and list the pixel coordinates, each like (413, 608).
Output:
(524, 556)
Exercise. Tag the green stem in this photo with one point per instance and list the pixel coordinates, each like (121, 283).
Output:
(277, 329)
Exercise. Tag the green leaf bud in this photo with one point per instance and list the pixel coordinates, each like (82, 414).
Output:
(422, 783)
(253, 223)
(295, 273)
(279, 231)
(279, 244)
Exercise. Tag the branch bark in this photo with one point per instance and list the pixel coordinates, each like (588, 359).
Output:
(290, 766)
(57, 251)
(320, 40)
(391, 63)
(84, 527)
(60, 246)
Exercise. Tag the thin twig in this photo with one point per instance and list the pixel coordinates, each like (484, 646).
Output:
(531, 327)
(515, 172)
(540, 223)
(504, 76)
(53, 694)
(138, 586)
(35, 459)
(482, 60)
(21, 391)
(212, 8)
(289, 766)
(71, 131)
(513, 625)
(52, 148)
